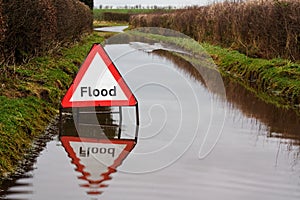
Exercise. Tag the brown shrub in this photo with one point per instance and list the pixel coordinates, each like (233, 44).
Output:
(258, 28)
(73, 19)
(2, 32)
(35, 27)
(30, 28)
(1, 22)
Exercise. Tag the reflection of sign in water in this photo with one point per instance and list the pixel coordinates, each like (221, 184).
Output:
(98, 83)
(96, 159)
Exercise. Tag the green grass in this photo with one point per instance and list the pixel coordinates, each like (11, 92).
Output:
(21, 121)
(276, 81)
(30, 95)
(98, 24)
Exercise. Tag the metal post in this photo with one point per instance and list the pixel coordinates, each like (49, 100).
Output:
(137, 122)
(137, 114)
(77, 116)
(136, 133)
(120, 122)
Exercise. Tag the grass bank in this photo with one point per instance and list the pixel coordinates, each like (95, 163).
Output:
(275, 81)
(30, 95)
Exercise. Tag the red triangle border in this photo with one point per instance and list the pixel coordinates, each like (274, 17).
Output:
(97, 48)
(130, 144)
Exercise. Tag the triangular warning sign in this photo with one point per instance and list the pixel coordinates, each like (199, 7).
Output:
(98, 83)
(96, 159)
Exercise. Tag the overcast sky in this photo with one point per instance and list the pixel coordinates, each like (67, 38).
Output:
(152, 2)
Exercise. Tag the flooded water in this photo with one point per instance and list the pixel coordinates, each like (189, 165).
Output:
(193, 142)
(117, 29)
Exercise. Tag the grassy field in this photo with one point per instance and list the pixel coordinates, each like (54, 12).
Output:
(30, 95)
(122, 15)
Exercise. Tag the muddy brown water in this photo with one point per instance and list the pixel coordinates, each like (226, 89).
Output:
(193, 144)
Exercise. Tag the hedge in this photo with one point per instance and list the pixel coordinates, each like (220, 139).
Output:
(264, 29)
(114, 16)
(34, 27)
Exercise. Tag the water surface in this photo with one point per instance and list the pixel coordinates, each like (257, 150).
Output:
(193, 143)
(117, 29)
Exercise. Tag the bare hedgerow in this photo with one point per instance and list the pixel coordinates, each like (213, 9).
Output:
(30, 26)
(114, 16)
(1, 22)
(73, 19)
(2, 30)
(258, 28)
(34, 28)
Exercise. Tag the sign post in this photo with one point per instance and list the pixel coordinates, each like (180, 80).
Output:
(98, 83)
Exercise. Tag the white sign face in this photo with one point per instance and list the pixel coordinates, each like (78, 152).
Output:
(98, 84)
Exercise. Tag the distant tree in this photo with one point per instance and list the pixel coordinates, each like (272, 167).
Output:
(89, 3)
(100, 7)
